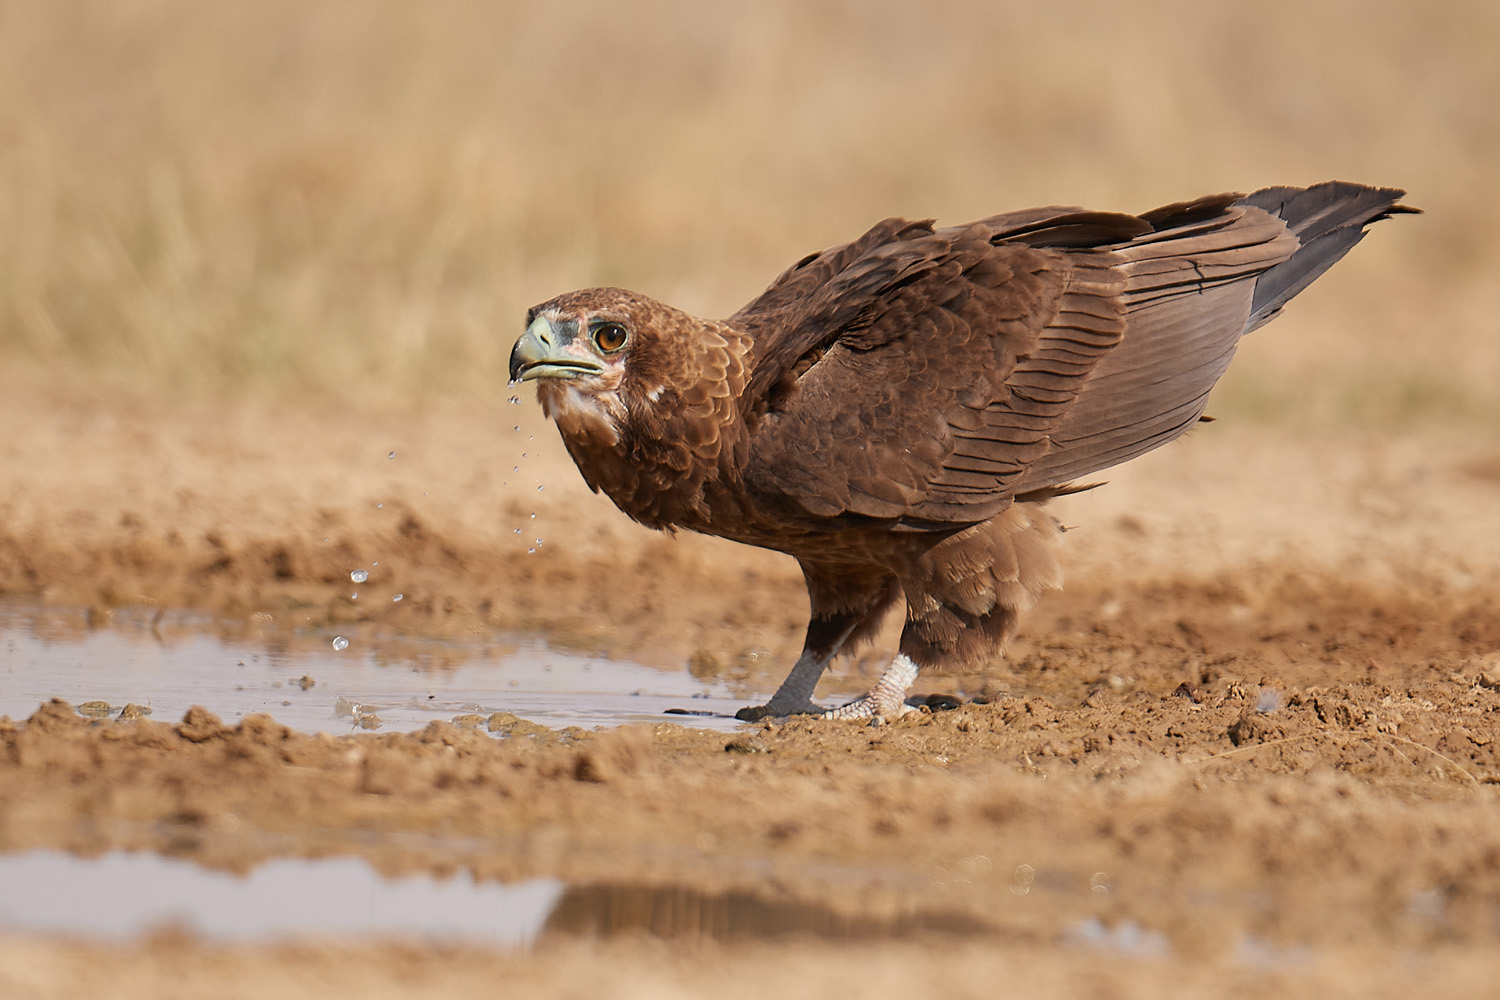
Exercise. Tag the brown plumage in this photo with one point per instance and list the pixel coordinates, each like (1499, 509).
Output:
(895, 412)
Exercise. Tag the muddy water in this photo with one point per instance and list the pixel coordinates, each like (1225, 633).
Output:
(311, 686)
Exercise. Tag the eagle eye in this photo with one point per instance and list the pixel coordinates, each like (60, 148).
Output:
(610, 337)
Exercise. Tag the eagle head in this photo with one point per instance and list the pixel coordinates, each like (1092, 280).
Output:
(585, 351)
(644, 395)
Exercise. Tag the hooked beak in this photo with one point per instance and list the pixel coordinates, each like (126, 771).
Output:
(547, 351)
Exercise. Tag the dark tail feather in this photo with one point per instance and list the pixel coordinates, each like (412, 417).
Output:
(1329, 219)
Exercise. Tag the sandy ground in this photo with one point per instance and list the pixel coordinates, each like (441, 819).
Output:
(1252, 748)
(1261, 727)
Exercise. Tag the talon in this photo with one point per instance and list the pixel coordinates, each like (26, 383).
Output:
(870, 707)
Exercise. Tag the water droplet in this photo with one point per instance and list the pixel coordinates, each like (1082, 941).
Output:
(340, 643)
(518, 427)
(379, 506)
(539, 543)
(391, 455)
(397, 597)
(515, 401)
(533, 515)
(359, 575)
(518, 531)
(515, 468)
(523, 454)
(375, 563)
(354, 596)
(1025, 875)
(531, 552)
(540, 488)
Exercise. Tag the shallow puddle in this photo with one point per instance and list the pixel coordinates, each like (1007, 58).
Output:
(310, 686)
(121, 896)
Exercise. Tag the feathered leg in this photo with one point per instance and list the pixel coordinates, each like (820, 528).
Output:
(964, 596)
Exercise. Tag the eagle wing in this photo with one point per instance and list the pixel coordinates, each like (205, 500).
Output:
(929, 376)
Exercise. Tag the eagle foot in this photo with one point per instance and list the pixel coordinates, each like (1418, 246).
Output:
(887, 699)
(885, 702)
(870, 707)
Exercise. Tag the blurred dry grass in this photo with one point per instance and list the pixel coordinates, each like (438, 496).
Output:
(359, 198)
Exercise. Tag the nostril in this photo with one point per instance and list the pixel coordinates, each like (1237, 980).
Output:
(541, 330)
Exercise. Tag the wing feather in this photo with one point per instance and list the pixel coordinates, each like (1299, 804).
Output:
(928, 376)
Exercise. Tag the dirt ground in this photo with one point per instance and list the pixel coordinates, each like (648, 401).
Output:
(1254, 743)
(1251, 748)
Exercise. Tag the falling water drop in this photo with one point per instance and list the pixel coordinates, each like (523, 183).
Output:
(397, 597)
(533, 515)
(391, 455)
(515, 401)
(380, 506)
(340, 643)
(359, 575)
(354, 596)
(531, 552)
(540, 488)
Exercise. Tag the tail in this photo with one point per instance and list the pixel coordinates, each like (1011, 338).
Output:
(1198, 276)
(1328, 219)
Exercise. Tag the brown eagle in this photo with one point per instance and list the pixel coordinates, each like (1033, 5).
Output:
(896, 411)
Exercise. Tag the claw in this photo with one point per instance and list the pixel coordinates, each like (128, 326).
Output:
(753, 713)
(870, 707)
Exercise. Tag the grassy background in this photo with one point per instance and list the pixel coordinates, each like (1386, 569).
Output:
(358, 198)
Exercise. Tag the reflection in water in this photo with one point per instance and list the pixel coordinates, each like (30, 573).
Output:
(120, 895)
(681, 912)
(123, 896)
